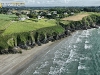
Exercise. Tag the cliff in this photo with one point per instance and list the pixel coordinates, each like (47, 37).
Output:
(13, 43)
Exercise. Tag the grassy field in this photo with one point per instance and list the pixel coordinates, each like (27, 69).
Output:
(7, 17)
(76, 17)
(33, 24)
(22, 30)
(28, 25)
(6, 22)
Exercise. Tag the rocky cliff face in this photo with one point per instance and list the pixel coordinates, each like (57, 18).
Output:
(15, 42)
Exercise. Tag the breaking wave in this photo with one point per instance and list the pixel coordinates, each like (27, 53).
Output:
(76, 55)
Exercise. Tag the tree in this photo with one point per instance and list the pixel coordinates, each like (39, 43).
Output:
(32, 15)
(89, 19)
(18, 14)
(85, 22)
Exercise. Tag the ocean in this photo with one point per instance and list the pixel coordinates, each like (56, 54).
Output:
(78, 54)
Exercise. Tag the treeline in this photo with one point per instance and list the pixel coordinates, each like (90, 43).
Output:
(48, 12)
(91, 9)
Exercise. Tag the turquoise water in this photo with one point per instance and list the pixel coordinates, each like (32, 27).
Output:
(78, 54)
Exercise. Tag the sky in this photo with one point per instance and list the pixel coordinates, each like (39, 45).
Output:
(57, 2)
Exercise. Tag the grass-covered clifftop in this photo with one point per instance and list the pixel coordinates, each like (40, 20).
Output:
(15, 35)
(26, 34)
(13, 39)
(28, 25)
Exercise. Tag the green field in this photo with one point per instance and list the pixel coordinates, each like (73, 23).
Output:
(32, 24)
(22, 30)
(23, 26)
(3, 24)
(7, 17)
(6, 22)
(14, 32)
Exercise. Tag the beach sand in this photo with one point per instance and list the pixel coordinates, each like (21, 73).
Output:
(14, 64)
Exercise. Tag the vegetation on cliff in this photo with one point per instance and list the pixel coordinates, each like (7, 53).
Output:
(17, 35)
(11, 43)
(90, 21)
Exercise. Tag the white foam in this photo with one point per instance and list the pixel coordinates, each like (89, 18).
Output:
(78, 40)
(81, 67)
(85, 58)
(44, 65)
(86, 41)
(54, 71)
(69, 46)
(71, 60)
(72, 54)
(62, 69)
(74, 46)
(87, 46)
(36, 72)
(85, 33)
(99, 31)
(58, 62)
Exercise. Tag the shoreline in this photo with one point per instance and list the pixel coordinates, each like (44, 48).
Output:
(25, 58)
(43, 51)
(15, 64)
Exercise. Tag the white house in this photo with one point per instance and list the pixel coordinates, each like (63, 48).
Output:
(39, 17)
(54, 12)
(22, 19)
(65, 13)
(72, 13)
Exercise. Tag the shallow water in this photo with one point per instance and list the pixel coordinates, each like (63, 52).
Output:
(78, 54)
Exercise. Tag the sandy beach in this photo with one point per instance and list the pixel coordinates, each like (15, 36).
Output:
(12, 64)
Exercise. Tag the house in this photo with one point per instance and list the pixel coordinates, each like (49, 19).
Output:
(54, 12)
(39, 17)
(22, 19)
(49, 14)
(27, 17)
(65, 13)
(72, 13)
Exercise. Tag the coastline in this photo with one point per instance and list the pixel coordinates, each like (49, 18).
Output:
(14, 64)
(59, 31)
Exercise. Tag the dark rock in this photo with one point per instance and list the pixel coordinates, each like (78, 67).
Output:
(28, 43)
(68, 32)
(38, 43)
(45, 41)
(14, 50)
(33, 44)
(4, 51)
(51, 38)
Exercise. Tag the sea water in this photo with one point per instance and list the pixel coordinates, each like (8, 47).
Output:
(78, 54)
